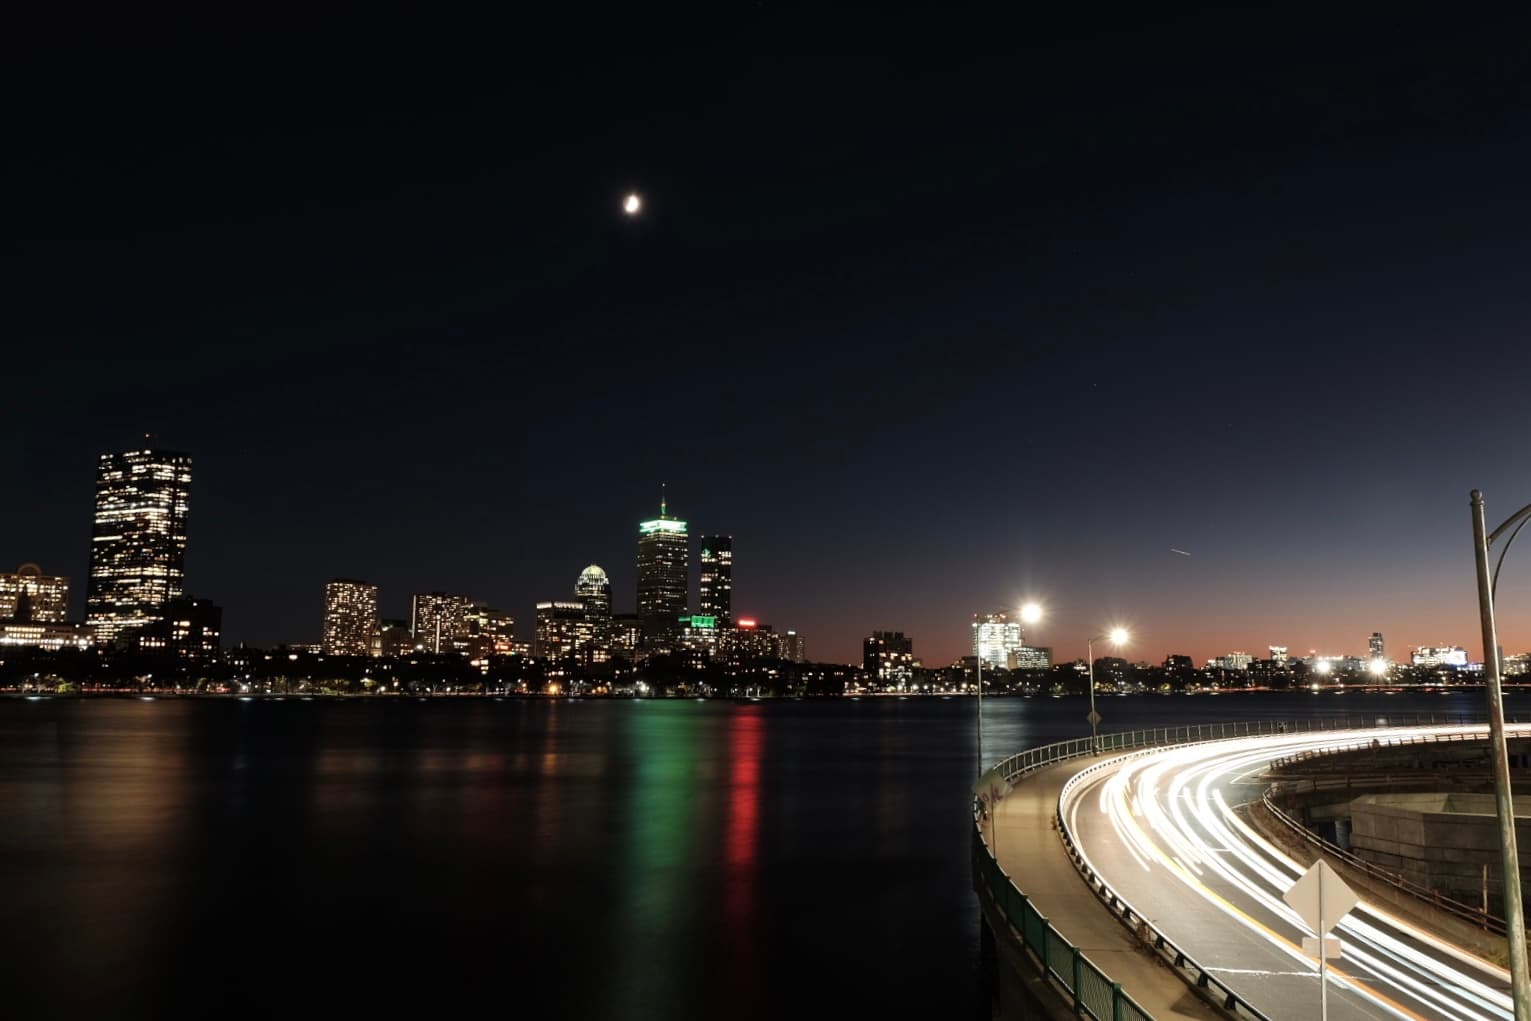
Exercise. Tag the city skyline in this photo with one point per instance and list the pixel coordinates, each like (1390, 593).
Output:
(1016, 320)
(152, 484)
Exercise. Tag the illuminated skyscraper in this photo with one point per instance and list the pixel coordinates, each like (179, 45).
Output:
(716, 592)
(563, 629)
(594, 590)
(441, 622)
(350, 618)
(31, 597)
(138, 541)
(663, 549)
(1374, 645)
(995, 638)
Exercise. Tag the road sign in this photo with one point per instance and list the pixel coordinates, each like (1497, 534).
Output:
(1321, 886)
(1330, 950)
(1321, 899)
(1094, 718)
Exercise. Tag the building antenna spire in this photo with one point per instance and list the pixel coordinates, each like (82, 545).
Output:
(661, 500)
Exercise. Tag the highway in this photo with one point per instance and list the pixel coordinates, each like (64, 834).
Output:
(1157, 826)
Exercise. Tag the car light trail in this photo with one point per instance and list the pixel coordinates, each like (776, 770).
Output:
(1166, 809)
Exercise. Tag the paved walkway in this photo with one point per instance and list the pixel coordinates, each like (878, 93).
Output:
(1031, 851)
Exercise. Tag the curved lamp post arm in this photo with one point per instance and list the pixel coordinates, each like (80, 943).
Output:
(1518, 519)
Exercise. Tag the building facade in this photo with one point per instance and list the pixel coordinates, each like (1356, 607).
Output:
(995, 638)
(440, 621)
(888, 656)
(663, 552)
(594, 590)
(350, 619)
(563, 629)
(715, 591)
(1374, 646)
(138, 539)
(190, 629)
(31, 597)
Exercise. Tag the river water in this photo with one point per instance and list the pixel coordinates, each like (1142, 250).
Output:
(537, 858)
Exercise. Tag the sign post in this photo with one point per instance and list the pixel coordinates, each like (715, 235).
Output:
(1321, 899)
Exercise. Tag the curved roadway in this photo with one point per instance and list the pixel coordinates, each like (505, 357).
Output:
(1158, 828)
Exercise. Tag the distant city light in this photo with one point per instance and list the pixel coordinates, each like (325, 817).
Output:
(632, 204)
(1378, 667)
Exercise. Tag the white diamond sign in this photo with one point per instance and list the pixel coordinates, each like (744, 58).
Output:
(1321, 898)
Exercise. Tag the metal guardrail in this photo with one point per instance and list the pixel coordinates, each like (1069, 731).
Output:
(1473, 915)
(1092, 991)
(1034, 929)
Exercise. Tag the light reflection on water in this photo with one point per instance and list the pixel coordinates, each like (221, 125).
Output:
(589, 859)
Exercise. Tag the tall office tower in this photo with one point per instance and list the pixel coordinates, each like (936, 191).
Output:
(889, 657)
(563, 629)
(1374, 645)
(663, 549)
(995, 638)
(716, 595)
(31, 597)
(138, 541)
(350, 618)
(594, 590)
(793, 650)
(440, 621)
(1278, 655)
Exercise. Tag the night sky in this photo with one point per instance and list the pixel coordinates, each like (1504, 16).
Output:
(932, 314)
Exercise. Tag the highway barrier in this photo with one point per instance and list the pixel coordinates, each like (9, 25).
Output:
(1094, 993)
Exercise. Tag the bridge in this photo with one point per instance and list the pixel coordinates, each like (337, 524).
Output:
(1126, 885)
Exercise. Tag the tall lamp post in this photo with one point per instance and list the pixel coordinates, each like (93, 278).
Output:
(1030, 614)
(1514, 914)
(1116, 636)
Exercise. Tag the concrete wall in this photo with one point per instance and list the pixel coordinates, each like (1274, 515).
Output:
(1441, 841)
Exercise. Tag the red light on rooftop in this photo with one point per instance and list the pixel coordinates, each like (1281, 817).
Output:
(746, 622)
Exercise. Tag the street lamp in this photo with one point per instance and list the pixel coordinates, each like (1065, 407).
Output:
(1030, 613)
(1117, 636)
(1514, 915)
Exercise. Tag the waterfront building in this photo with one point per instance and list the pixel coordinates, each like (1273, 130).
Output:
(138, 539)
(995, 638)
(1278, 655)
(715, 590)
(791, 647)
(440, 621)
(888, 656)
(625, 637)
(563, 628)
(395, 638)
(491, 632)
(49, 636)
(1232, 661)
(663, 552)
(1445, 655)
(31, 597)
(350, 619)
(1031, 657)
(1374, 645)
(188, 628)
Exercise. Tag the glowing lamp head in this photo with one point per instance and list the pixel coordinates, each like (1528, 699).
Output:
(1031, 613)
(632, 204)
(1378, 667)
(1323, 666)
(1119, 636)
